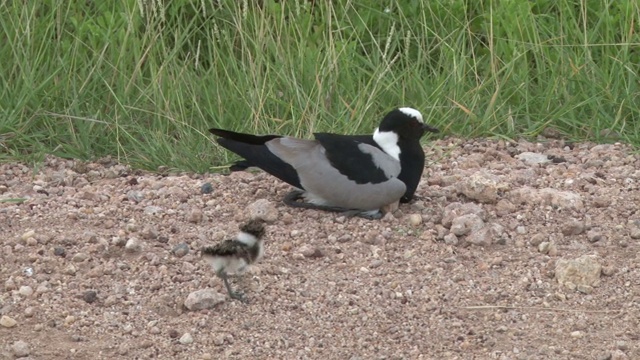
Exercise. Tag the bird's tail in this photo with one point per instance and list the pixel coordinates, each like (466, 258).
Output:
(243, 138)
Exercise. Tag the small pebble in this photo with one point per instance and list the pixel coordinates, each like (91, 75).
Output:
(195, 216)
(59, 251)
(263, 209)
(451, 239)
(25, 291)
(585, 289)
(149, 232)
(180, 250)
(20, 349)
(573, 227)
(415, 219)
(29, 311)
(206, 188)
(594, 236)
(218, 340)
(28, 234)
(311, 252)
(152, 210)
(90, 296)
(43, 287)
(133, 245)
(186, 339)
(622, 345)
(544, 246)
(203, 299)
(9, 285)
(7, 322)
(79, 257)
(608, 270)
(70, 269)
(135, 196)
(537, 239)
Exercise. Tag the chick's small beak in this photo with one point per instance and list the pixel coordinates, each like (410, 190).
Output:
(430, 128)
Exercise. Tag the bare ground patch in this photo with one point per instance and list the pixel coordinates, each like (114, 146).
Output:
(466, 272)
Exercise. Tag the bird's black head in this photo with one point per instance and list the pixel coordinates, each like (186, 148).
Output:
(254, 227)
(406, 122)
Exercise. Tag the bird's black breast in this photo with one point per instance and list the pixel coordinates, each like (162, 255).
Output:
(343, 153)
(412, 161)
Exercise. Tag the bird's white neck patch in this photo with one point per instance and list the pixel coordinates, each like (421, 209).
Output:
(388, 141)
(413, 113)
(246, 238)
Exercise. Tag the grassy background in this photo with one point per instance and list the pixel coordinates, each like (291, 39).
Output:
(143, 82)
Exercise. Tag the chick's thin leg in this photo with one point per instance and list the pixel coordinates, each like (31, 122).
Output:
(232, 294)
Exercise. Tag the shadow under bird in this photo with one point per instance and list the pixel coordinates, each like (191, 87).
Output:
(356, 174)
(232, 256)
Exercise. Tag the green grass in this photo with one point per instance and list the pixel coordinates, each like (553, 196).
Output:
(144, 83)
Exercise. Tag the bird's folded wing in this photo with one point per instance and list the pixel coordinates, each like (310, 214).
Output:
(360, 162)
(225, 248)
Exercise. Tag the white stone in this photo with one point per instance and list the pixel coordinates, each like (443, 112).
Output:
(584, 270)
(186, 339)
(20, 349)
(7, 322)
(25, 291)
(203, 299)
(133, 245)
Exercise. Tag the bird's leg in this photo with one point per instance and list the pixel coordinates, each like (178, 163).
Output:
(292, 198)
(232, 294)
(415, 197)
(364, 214)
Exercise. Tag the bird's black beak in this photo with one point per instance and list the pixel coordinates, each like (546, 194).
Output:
(430, 128)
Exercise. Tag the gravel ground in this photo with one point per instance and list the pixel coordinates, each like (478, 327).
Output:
(513, 251)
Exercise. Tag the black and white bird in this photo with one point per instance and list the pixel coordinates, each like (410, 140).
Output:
(357, 174)
(232, 256)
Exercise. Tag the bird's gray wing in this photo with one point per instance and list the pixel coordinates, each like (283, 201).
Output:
(327, 184)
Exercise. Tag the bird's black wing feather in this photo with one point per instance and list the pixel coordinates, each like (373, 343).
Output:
(228, 247)
(343, 153)
(243, 138)
(253, 149)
